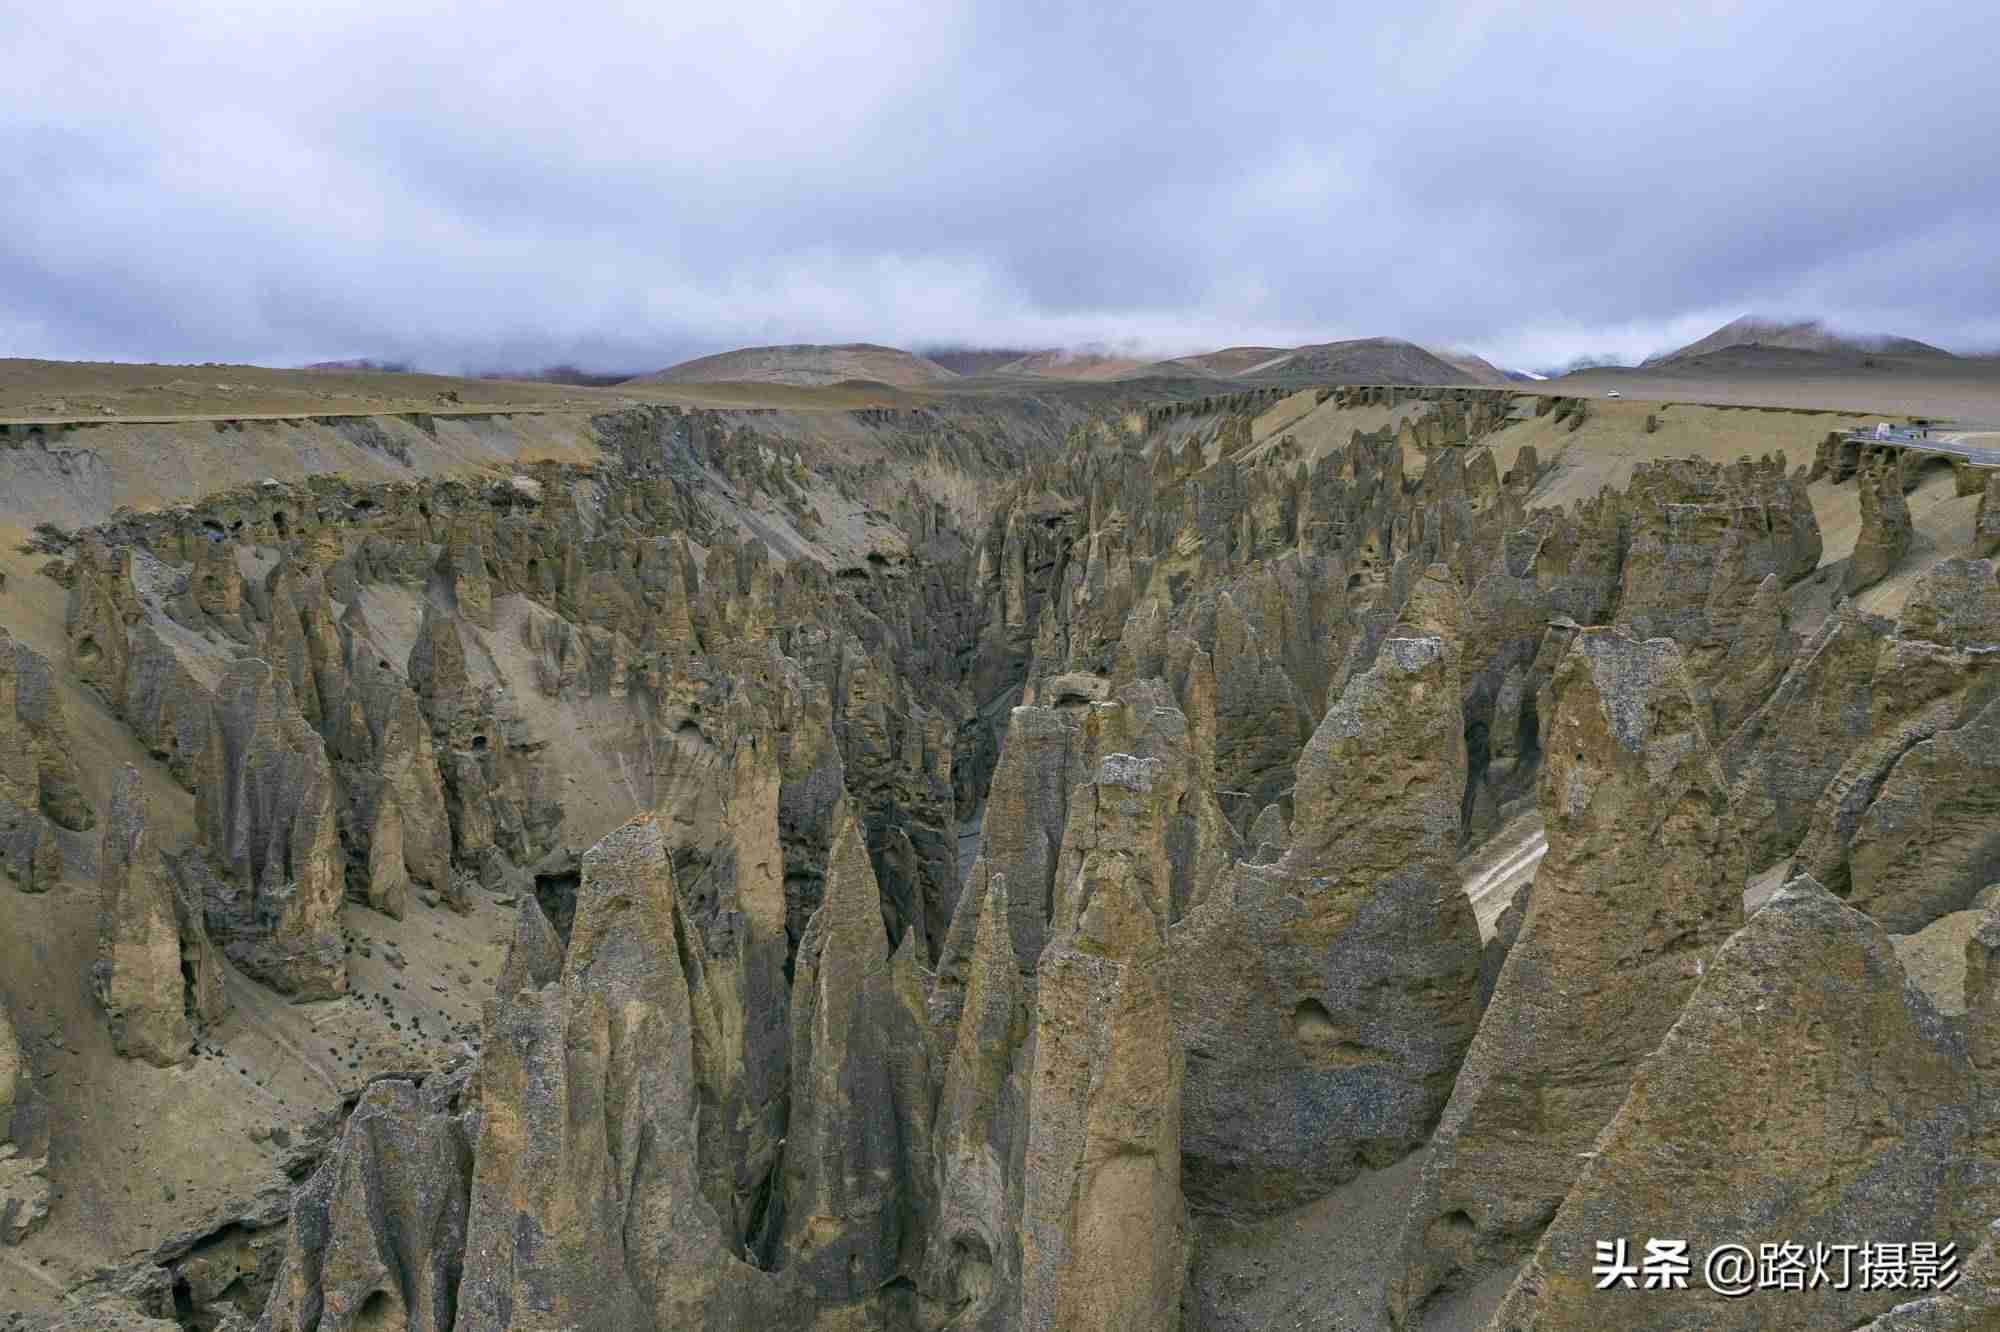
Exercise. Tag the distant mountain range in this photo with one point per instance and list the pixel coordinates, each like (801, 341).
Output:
(1357, 360)
(1751, 342)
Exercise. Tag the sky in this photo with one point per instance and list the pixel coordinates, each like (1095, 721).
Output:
(508, 185)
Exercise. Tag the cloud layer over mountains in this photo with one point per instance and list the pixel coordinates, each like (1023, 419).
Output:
(513, 184)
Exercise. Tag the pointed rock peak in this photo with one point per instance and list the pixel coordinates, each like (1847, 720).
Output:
(626, 868)
(1805, 1014)
(437, 659)
(534, 957)
(138, 976)
(1435, 607)
(1269, 835)
(851, 912)
(128, 812)
(907, 955)
(1640, 687)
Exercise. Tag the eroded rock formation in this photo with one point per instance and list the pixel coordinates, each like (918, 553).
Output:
(1886, 529)
(1638, 887)
(157, 974)
(1326, 999)
(377, 1237)
(1104, 1227)
(1862, 1096)
(1213, 710)
(24, 1140)
(264, 808)
(38, 790)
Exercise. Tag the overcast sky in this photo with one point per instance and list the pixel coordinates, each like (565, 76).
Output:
(511, 183)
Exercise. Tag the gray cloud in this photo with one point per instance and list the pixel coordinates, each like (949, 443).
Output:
(624, 185)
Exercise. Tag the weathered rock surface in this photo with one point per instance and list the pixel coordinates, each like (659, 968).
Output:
(1886, 529)
(980, 1134)
(24, 1140)
(1934, 676)
(37, 782)
(1325, 1000)
(1637, 888)
(264, 810)
(1781, 758)
(147, 997)
(586, 1210)
(1807, 1094)
(1972, 1304)
(856, 1196)
(1104, 1227)
(1986, 519)
(1506, 930)
(1703, 541)
(377, 1237)
(1232, 703)
(1931, 838)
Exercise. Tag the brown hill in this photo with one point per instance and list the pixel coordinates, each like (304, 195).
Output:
(1081, 363)
(1366, 361)
(1809, 335)
(975, 361)
(1229, 363)
(809, 365)
(1482, 370)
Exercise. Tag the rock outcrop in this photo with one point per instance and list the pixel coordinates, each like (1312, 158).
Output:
(1807, 1095)
(1930, 682)
(38, 790)
(1325, 1000)
(265, 814)
(156, 973)
(1986, 519)
(24, 1140)
(1971, 1304)
(1104, 1227)
(1638, 887)
(856, 1194)
(981, 1127)
(1930, 840)
(377, 1236)
(586, 1209)
(1022, 888)
(1886, 528)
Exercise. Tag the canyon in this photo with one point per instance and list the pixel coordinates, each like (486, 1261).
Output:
(1129, 855)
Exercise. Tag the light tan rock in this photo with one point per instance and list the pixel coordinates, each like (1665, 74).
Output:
(137, 976)
(980, 1139)
(1886, 528)
(1104, 1226)
(24, 1141)
(586, 1210)
(1931, 837)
